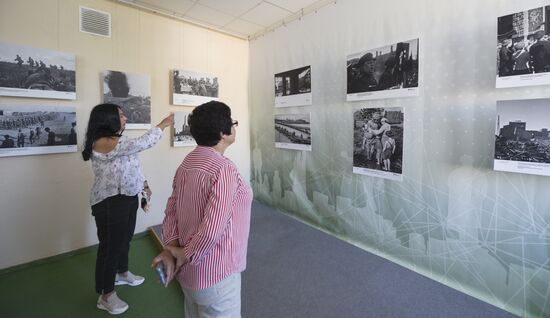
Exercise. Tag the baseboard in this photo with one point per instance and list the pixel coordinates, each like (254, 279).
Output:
(58, 257)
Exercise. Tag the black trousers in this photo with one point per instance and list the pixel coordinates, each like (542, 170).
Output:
(115, 218)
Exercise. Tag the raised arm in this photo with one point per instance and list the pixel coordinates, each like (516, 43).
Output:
(129, 146)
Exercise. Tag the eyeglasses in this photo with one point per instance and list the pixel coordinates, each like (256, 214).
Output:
(235, 123)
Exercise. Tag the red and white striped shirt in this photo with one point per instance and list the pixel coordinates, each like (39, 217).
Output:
(209, 214)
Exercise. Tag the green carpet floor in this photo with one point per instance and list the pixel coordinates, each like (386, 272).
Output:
(65, 288)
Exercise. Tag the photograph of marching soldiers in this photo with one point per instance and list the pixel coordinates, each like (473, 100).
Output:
(34, 72)
(523, 48)
(181, 133)
(192, 89)
(389, 71)
(522, 141)
(293, 88)
(29, 130)
(293, 131)
(378, 142)
(133, 93)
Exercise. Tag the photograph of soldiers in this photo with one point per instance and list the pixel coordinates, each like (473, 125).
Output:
(392, 67)
(181, 134)
(191, 88)
(34, 72)
(522, 140)
(523, 48)
(132, 92)
(293, 131)
(378, 142)
(22, 129)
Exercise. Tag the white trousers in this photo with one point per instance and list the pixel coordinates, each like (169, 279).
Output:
(222, 300)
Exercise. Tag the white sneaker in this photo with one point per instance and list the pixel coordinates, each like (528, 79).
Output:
(113, 304)
(130, 279)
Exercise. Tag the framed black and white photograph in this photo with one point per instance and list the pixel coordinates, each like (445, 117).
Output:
(37, 130)
(523, 48)
(378, 142)
(181, 134)
(293, 131)
(35, 72)
(192, 88)
(522, 140)
(132, 93)
(293, 88)
(385, 72)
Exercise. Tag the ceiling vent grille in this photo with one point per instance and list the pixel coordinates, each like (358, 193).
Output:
(95, 22)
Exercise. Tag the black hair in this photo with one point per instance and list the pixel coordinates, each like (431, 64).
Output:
(104, 122)
(208, 121)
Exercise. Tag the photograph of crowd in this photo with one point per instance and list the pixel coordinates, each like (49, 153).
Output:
(131, 92)
(378, 142)
(192, 89)
(384, 72)
(293, 88)
(293, 131)
(181, 134)
(523, 48)
(522, 140)
(35, 72)
(32, 130)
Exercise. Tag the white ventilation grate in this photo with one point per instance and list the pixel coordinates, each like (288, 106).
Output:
(95, 22)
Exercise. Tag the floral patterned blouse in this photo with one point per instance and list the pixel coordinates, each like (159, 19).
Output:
(119, 171)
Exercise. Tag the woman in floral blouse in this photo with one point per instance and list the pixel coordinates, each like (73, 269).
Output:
(118, 180)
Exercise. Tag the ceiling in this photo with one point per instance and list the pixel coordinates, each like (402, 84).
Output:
(242, 18)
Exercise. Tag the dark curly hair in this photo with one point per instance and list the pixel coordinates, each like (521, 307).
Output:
(209, 121)
(104, 122)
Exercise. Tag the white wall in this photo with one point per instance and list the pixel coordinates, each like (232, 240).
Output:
(44, 207)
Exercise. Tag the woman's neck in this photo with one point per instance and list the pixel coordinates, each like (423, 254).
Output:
(220, 147)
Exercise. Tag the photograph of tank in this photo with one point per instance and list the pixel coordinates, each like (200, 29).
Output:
(293, 88)
(192, 89)
(181, 135)
(384, 72)
(36, 130)
(523, 48)
(522, 140)
(35, 72)
(132, 93)
(293, 131)
(378, 142)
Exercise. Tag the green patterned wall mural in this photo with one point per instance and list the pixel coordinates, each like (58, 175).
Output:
(451, 218)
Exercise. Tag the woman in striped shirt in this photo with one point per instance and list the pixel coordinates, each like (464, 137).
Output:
(207, 221)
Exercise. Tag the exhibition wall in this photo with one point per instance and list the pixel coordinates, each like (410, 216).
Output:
(449, 215)
(44, 199)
